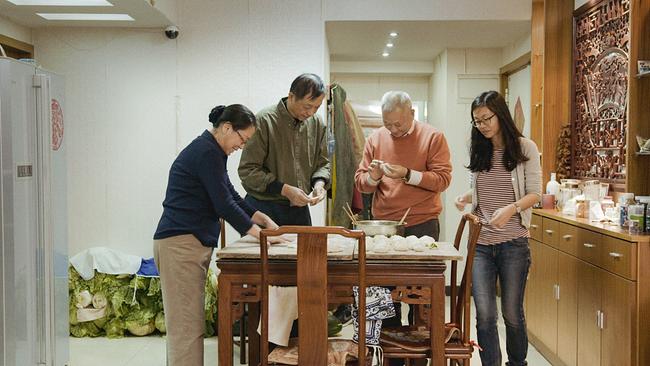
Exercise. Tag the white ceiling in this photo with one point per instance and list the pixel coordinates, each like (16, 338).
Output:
(417, 40)
(145, 15)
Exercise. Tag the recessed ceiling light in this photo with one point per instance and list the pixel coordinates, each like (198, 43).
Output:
(61, 2)
(385, 54)
(85, 16)
(389, 45)
(393, 34)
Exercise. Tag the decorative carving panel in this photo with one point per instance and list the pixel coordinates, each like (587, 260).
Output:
(601, 62)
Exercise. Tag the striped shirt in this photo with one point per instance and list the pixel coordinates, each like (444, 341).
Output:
(495, 190)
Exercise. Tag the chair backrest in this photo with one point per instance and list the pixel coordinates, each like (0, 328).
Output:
(222, 236)
(311, 278)
(460, 298)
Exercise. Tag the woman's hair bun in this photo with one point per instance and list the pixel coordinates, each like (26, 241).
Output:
(215, 113)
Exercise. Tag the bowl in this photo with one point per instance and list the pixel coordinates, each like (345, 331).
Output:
(380, 227)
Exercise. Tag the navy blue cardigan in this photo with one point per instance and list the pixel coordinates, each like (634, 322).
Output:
(199, 192)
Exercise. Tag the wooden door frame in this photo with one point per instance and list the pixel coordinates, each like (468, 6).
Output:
(513, 67)
(15, 48)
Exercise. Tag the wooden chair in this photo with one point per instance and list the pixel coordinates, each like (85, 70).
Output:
(312, 283)
(242, 319)
(412, 342)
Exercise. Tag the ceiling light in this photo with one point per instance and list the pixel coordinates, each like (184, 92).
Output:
(385, 54)
(85, 16)
(389, 45)
(393, 34)
(61, 2)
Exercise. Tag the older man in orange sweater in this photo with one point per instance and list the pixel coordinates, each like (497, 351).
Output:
(405, 164)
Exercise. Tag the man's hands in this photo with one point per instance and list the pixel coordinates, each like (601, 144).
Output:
(319, 192)
(394, 171)
(297, 197)
(377, 169)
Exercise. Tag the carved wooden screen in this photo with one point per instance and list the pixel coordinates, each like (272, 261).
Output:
(601, 61)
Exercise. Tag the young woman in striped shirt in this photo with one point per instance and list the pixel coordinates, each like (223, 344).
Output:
(506, 183)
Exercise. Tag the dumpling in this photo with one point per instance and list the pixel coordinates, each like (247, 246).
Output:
(401, 245)
(382, 247)
(380, 237)
(396, 238)
(419, 247)
(411, 240)
(427, 240)
(380, 241)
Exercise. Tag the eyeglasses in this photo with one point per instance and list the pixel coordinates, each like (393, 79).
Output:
(480, 122)
(243, 142)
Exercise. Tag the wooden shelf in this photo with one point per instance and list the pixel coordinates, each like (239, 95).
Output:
(639, 153)
(644, 75)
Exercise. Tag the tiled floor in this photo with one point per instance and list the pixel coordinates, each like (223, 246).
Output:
(150, 351)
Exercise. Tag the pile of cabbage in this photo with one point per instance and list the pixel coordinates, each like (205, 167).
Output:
(116, 305)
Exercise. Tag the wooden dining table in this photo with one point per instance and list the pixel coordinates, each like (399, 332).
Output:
(417, 275)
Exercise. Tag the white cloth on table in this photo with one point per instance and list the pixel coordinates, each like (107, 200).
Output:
(104, 260)
(283, 310)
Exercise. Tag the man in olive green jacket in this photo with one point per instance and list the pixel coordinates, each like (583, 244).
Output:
(284, 167)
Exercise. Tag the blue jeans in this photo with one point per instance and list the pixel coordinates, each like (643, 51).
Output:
(509, 262)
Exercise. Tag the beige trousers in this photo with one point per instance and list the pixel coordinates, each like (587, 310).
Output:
(183, 265)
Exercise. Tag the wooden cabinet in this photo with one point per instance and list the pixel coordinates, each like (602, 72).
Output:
(589, 314)
(617, 327)
(545, 296)
(587, 298)
(567, 309)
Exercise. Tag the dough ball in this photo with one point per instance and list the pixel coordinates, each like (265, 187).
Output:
(419, 247)
(427, 240)
(401, 245)
(383, 247)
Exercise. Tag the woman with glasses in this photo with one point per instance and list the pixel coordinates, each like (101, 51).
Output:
(199, 192)
(506, 183)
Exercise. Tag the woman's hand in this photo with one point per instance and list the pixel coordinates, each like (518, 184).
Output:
(255, 231)
(264, 220)
(501, 216)
(460, 202)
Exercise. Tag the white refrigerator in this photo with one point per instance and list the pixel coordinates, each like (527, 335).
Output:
(34, 326)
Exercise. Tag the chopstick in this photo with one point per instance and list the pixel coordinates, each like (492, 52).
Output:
(348, 211)
(404, 217)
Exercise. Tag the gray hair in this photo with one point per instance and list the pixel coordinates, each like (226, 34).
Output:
(395, 99)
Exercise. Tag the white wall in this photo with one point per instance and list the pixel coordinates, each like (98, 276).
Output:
(410, 10)
(459, 76)
(120, 118)
(15, 31)
(134, 98)
(362, 87)
(515, 50)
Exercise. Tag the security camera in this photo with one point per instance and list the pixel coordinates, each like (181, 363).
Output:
(171, 32)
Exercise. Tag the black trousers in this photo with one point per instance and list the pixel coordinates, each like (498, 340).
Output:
(281, 212)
